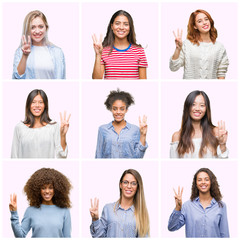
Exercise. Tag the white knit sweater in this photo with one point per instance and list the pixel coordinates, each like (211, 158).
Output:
(206, 61)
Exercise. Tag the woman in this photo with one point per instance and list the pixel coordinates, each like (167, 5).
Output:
(198, 137)
(201, 55)
(119, 56)
(128, 217)
(38, 136)
(48, 216)
(120, 139)
(205, 214)
(37, 58)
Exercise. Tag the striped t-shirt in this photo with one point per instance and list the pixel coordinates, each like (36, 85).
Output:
(123, 64)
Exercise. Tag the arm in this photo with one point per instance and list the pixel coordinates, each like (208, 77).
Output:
(142, 64)
(223, 66)
(100, 140)
(61, 74)
(15, 144)
(174, 145)
(67, 225)
(223, 226)
(17, 58)
(221, 134)
(60, 152)
(142, 73)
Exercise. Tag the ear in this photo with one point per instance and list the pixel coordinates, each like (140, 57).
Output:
(195, 27)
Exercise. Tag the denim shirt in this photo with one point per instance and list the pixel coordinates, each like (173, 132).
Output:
(210, 222)
(115, 222)
(124, 145)
(57, 57)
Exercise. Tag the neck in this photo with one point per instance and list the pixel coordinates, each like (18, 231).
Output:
(38, 44)
(47, 202)
(196, 125)
(126, 203)
(119, 124)
(205, 37)
(121, 43)
(37, 122)
(205, 197)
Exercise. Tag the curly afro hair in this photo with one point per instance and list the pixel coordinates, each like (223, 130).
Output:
(61, 185)
(126, 97)
(214, 189)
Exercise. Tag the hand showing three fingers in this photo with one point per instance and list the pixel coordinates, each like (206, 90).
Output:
(64, 123)
(222, 134)
(97, 44)
(178, 39)
(13, 202)
(143, 125)
(26, 45)
(178, 198)
(94, 209)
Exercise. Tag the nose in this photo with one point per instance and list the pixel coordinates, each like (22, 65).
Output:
(118, 110)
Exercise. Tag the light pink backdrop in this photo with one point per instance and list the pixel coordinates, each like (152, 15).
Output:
(63, 20)
(176, 15)
(94, 112)
(223, 100)
(180, 173)
(14, 177)
(95, 19)
(101, 179)
(61, 96)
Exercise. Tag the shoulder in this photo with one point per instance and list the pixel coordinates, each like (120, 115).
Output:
(137, 49)
(109, 206)
(55, 50)
(20, 126)
(105, 126)
(176, 136)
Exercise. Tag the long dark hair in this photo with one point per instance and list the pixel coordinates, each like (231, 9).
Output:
(214, 188)
(208, 138)
(29, 118)
(109, 38)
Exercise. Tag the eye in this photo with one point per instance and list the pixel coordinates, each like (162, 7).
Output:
(134, 183)
(125, 182)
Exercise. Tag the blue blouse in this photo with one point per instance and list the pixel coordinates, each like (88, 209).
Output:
(127, 144)
(210, 222)
(115, 222)
(57, 57)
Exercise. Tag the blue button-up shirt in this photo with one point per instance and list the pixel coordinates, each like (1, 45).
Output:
(210, 222)
(115, 222)
(127, 144)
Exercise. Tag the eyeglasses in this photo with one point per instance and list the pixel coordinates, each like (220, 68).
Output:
(132, 184)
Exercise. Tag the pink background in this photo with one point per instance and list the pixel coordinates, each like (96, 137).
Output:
(94, 112)
(176, 15)
(223, 100)
(101, 179)
(63, 20)
(61, 96)
(14, 178)
(180, 173)
(95, 19)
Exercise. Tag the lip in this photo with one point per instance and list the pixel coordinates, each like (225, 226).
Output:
(205, 27)
(197, 114)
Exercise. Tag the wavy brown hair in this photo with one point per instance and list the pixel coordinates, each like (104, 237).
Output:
(29, 117)
(109, 38)
(193, 34)
(43, 176)
(214, 188)
(141, 212)
(209, 140)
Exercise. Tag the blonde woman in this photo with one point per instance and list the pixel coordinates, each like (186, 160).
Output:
(37, 58)
(126, 218)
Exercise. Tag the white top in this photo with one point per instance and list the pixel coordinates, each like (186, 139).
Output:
(197, 144)
(44, 67)
(43, 142)
(206, 61)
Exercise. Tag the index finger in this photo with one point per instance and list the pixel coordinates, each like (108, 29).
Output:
(69, 117)
(181, 33)
(174, 191)
(29, 39)
(91, 203)
(60, 116)
(144, 118)
(174, 35)
(94, 38)
(23, 39)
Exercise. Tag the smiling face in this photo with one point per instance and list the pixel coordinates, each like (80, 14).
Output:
(37, 31)
(121, 27)
(203, 182)
(198, 108)
(47, 193)
(202, 23)
(119, 110)
(37, 106)
(128, 186)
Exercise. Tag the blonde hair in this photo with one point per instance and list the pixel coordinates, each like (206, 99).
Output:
(27, 24)
(141, 212)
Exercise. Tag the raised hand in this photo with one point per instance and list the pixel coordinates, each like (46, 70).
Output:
(143, 125)
(178, 198)
(222, 134)
(97, 44)
(13, 202)
(26, 45)
(64, 123)
(94, 209)
(178, 39)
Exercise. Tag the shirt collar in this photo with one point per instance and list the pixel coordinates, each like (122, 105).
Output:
(118, 206)
(110, 125)
(212, 202)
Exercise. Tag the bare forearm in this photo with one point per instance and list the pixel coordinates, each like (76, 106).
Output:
(143, 139)
(22, 64)
(97, 70)
(63, 141)
(176, 54)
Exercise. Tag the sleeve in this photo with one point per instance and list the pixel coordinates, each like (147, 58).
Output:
(67, 224)
(174, 65)
(62, 68)
(142, 62)
(60, 153)
(15, 144)
(220, 154)
(99, 150)
(223, 226)
(17, 58)
(173, 150)
(223, 66)
(99, 228)
(20, 230)
(139, 149)
(176, 220)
